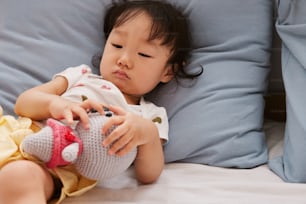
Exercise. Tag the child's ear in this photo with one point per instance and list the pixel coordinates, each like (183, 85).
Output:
(168, 74)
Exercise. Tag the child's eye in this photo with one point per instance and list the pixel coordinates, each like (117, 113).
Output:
(144, 55)
(116, 45)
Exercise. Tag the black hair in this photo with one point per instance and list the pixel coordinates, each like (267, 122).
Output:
(168, 24)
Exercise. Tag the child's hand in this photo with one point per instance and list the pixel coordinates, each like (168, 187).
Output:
(131, 131)
(63, 109)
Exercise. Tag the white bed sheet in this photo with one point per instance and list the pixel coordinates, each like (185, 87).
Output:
(195, 183)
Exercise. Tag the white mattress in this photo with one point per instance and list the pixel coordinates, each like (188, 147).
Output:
(195, 183)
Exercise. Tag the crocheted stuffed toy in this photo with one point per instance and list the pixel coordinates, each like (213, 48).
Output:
(59, 145)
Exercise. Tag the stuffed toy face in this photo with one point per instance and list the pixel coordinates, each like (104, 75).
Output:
(60, 145)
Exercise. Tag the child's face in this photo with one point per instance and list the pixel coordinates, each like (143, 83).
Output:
(134, 64)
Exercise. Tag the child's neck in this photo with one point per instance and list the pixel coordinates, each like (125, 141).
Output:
(132, 100)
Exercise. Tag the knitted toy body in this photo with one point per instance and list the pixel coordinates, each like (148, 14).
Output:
(59, 145)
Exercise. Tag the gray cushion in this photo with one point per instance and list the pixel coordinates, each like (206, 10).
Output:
(216, 122)
(291, 26)
(41, 38)
(219, 120)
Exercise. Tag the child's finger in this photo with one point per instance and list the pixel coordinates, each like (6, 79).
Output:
(115, 134)
(116, 110)
(126, 149)
(82, 116)
(90, 105)
(68, 116)
(121, 145)
(113, 121)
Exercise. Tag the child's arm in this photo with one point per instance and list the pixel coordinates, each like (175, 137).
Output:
(149, 161)
(35, 102)
(45, 101)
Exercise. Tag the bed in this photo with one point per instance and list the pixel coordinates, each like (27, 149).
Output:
(196, 183)
(236, 136)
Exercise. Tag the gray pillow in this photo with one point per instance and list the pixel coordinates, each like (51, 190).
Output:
(216, 122)
(219, 120)
(291, 27)
(40, 38)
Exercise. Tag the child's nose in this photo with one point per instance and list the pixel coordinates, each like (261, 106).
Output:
(125, 61)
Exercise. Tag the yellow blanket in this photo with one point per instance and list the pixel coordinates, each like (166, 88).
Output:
(13, 131)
